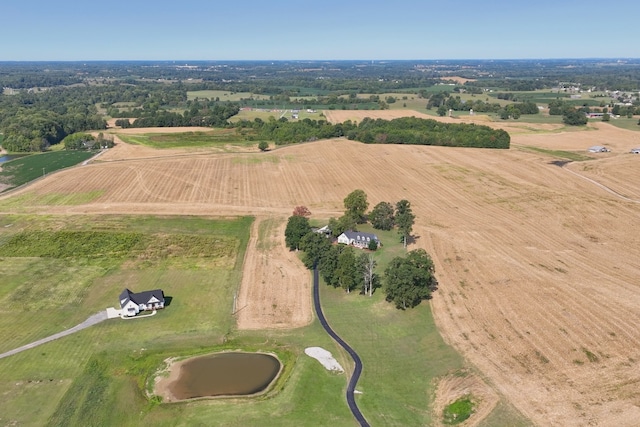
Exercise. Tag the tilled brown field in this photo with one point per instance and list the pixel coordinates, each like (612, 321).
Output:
(538, 267)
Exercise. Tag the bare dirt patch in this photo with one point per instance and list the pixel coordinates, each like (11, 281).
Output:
(456, 386)
(538, 268)
(276, 288)
(164, 379)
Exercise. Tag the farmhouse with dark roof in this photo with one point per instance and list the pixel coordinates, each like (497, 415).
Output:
(132, 303)
(358, 239)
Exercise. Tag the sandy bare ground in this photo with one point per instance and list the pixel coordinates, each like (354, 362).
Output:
(164, 380)
(275, 290)
(538, 268)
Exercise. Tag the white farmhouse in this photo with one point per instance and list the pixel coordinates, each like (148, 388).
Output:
(132, 303)
(357, 239)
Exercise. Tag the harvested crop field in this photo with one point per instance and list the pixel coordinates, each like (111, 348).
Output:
(538, 267)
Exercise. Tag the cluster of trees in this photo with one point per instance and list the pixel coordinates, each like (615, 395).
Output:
(383, 216)
(197, 115)
(443, 102)
(412, 130)
(83, 142)
(407, 280)
(32, 121)
(282, 131)
(570, 115)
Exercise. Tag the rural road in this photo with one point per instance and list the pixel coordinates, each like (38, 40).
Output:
(351, 401)
(92, 320)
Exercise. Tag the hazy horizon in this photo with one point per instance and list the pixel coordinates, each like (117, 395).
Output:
(69, 30)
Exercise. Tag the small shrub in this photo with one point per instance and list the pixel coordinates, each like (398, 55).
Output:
(458, 411)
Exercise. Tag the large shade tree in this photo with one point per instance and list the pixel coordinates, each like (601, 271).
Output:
(356, 205)
(297, 227)
(409, 280)
(382, 216)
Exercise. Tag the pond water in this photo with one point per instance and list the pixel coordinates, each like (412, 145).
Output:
(225, 374)
(7, 157)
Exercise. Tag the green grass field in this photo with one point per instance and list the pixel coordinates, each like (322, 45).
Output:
(217, 137)
(55, 271)
(25, 169)
(223, 95)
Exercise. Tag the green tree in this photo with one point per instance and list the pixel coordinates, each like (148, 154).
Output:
(78, 141)
(263, 145)
(404, 220)
(346, 271)
(315, 246)
(409, 280)
(356, 205)
(342, 224)
(382, 216)
(329, 264)
(297, 227)
(574, 117)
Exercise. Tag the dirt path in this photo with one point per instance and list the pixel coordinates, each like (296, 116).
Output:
(92, 320)
(276, 289)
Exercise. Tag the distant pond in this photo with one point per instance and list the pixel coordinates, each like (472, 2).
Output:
(225, 374)
(5, 158)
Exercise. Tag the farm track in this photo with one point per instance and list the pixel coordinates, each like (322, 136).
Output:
(92, 320)
(538, 268)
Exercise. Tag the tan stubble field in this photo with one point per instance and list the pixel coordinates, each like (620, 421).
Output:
(538, 267)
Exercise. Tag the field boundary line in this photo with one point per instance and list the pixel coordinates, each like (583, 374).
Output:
(600, 185)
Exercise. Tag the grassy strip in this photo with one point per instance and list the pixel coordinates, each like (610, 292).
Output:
(215, 137)
(568, 155)
(20, 171)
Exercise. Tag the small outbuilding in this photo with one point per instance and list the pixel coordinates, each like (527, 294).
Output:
(133, 303)
(598, 149)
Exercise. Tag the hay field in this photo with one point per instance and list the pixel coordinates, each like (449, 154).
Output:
(538, 267)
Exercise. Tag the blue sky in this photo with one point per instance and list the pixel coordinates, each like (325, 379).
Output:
(42, 30)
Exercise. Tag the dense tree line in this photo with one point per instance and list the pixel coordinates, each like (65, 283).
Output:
(282, 131)
(411, 130)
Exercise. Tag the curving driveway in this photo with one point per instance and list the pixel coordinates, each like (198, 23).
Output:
(358, 363)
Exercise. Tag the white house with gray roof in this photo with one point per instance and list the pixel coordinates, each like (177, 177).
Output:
(133, 303)
(358, 239)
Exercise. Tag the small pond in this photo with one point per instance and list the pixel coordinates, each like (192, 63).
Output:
(6, 157)
(225, 374)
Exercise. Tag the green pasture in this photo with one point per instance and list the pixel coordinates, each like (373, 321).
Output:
(223, 95)
(55, 271)
(265, 114)
(25, 169)
(216, 137)
(625, 123)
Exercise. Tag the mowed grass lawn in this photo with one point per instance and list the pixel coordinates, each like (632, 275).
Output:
(102, 376)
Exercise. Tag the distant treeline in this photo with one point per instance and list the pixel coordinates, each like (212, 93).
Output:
(408, 130)
(412, 130)
(197, 115)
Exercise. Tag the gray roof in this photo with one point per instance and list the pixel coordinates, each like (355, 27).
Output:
(140, 298)
(360, 236)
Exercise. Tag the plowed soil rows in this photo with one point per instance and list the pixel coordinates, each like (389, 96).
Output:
(538, 267)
